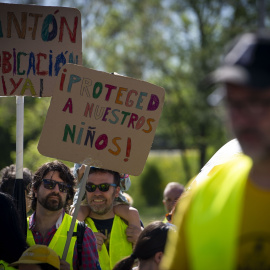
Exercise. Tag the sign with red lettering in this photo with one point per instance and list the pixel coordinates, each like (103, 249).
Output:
(36, 41)
(106, 119)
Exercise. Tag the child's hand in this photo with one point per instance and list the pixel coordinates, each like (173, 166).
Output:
(64, 265)
(80, 172)
(100, 239)
(133, 233)
(83, 213)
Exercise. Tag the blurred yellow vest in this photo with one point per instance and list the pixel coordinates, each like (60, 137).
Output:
(213, 220)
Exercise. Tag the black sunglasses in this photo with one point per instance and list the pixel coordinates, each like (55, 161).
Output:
(50, 184)
(90, 187)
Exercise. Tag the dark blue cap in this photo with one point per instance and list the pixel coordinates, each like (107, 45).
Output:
(247, 62)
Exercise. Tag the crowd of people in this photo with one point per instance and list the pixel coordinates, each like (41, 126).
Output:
(220, 222)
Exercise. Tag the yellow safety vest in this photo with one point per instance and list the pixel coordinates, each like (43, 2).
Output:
(59, 239)
(119, 246)
(4, 266)
(214, 216)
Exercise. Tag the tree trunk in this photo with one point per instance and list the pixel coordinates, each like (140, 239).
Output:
(186, 165)
(202, 149)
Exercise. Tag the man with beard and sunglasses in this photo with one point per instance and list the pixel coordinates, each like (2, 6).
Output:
(102, 187)
(52, 193)
(224, 221)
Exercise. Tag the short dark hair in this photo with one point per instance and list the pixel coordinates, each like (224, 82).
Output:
(64, 173)
(8, 177)
(116, 175)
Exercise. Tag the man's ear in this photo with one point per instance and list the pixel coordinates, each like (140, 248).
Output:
(158, 257)
(34, 190)
(117, 191)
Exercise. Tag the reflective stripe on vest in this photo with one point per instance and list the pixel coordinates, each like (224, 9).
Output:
(214, 217)
(119, 246)
(59, 239)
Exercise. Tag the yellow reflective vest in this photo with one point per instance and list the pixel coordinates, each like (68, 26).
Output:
(4, 266)
(119, 246)
(214, 216)
(59, 239)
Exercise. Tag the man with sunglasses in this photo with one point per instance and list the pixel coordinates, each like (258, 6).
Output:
(102, 187)
(224, 221)
(52, 193)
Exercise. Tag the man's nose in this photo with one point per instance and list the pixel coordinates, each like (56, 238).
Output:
(56, 188)
(97, 191)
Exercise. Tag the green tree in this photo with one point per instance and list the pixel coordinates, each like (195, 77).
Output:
(151, 186)
(173, 44)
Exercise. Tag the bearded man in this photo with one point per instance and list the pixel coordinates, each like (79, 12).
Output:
(102, 187)
(52, 193)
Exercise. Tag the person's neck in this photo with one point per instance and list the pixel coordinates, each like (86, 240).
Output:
(147, 265)
(108, 215)
(45, 219)
(260, 173)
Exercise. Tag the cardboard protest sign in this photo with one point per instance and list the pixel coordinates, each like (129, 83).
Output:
(36, 41)
(107, 119)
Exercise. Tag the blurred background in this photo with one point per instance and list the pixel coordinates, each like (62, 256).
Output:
(170, 43)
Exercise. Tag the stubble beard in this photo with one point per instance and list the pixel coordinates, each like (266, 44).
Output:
(101, 209)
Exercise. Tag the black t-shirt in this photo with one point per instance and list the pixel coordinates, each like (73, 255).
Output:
(104, 226)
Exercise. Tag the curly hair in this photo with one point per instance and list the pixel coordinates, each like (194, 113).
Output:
(64, 173)
(8, 177)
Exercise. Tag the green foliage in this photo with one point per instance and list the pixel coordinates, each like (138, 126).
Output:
(169, 168)
(168, 165)
(170, 43)
(7, 122)
(151, 186)
(174, 44)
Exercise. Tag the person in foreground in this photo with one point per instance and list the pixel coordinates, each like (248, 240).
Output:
(12, 238)
(225, 224)
(52, 194)
(148, 249)
(38, 257)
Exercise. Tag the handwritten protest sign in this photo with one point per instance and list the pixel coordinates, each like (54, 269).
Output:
(107, 119)
(36, 41)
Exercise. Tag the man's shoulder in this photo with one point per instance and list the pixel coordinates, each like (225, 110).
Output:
(88, 233)
(240, 164)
